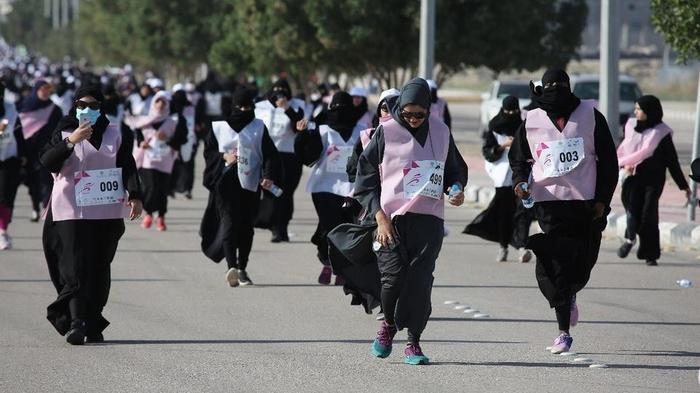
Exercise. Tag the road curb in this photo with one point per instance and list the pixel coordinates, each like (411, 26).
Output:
(671, 233)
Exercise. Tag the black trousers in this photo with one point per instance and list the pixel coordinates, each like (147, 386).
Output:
(641, 202)
(237, 223)
(182, 179)
(78, 255)
(283, 207)
(156, 186)
(330, 211)
(407, 271)
(39, 182)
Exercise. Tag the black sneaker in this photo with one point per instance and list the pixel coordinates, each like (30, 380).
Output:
(188, 195)
(243, 278)
(624, 249)
(652, 262)
(95, 338)
(76, 334)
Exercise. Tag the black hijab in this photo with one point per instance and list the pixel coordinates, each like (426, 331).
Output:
(361, 109)
(280, 87)
(70, 122)
(341, 114)
(33, 102)
(110, 105)
(652, 108)
(557, 101)
(390, 102)
(238, 119)
(507, 124)
(179, 102)
(416, 92)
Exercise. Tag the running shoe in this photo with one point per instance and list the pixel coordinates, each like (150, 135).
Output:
(94, 338)
(76, 334)
(147, 221)
(414, 355)
(188, 195)
(381, 347)
(339, 280)
(5, 242)
(573, 319)
(232, 277)
(160, 224)
(34, 217)
(652, 262)
(325, 277)
(562, 344)
(525, 255)
(502, 254)
(243, 278)
(625, 248)
(380, 316)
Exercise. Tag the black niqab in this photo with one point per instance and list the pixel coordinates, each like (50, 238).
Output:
(280, 87)
(507, 124)
(652, 108)
(179, 102)
(557, 101)
(341, 114)
(238, 119)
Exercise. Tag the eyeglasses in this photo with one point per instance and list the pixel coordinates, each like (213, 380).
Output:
(413, 115)
(95, 105)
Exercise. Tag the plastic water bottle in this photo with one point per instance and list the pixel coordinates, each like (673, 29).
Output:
(455, 189)
(528, 202)
(276, 191)
(684, 283)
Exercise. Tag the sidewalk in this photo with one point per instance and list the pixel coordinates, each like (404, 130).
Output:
(673, 225)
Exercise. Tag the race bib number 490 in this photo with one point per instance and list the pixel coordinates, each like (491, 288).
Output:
(560, 157)
(424, 178)
(99, 187)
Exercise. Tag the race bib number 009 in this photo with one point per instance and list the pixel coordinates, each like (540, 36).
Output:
(558, 158)
(99, 187)
(424, 178)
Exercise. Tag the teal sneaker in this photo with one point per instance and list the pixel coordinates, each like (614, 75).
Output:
(381, 347)
(414, 355)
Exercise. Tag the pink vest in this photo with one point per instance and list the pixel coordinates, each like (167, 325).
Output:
(365, 121)
(34, 120)
(565, 162)
(365, 137)
(166, 159)
(86, 158)
(401, 153)
(638, 146)
(437, 109)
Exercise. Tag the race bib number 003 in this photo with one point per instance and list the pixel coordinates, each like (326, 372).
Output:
(558, 158)
(99, 187)
(424, 178)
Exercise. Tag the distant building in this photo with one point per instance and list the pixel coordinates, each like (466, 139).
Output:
(637, 35)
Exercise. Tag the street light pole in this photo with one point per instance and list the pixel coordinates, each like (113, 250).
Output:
(427, 39)
(609, 92)
(696, 154)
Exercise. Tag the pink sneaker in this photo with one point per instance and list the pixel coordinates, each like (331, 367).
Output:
(573, 319)
(147, 221)
(160, 224)
(325, 277)
(339, 280)
(562, 344)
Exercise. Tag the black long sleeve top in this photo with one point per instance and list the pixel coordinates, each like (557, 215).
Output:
(521, 160)
(368, 182)
(652, 171)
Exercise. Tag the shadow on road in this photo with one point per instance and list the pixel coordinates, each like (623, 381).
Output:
(363, 342)
(549, 321)
(564, 365)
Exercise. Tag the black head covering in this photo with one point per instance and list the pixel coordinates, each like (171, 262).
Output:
(390, 102)
(341, 114)
(33, 102)
(238, 119)
(110, 104)
(71, 122)
(179, 101)
(2, 98)
(280, 87)
(695, 170)
(507, 124)
(652, 108)
(416, 92)
(557, 101)
(361, 109)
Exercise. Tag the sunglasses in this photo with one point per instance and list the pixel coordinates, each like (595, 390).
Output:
(413, 115)
(384, 108)
(95, 105)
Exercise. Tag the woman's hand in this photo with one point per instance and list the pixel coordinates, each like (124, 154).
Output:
(688, 193)
(302, 124)
(136, 209)
(519, 192)
(508, 143)
(144, 145)
(598, 210)
(83, 132)
(266, 183)
(161, 136)
(386, 234)
(282, 103)
(456, 199)
(230, 158)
